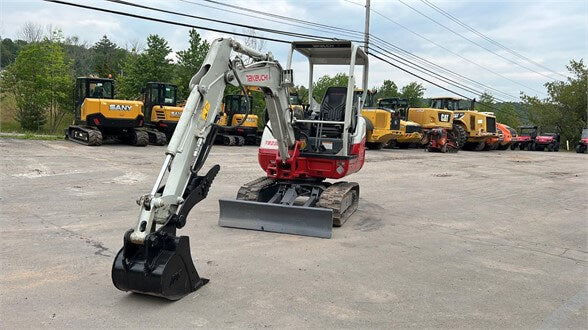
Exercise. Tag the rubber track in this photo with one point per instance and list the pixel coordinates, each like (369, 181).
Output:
(250, 190)
(141, 138)
(94, 136)
(332, 197)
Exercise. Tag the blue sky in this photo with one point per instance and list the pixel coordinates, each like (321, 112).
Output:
(549, 32)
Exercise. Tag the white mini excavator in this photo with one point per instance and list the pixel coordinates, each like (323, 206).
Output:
(297, 155)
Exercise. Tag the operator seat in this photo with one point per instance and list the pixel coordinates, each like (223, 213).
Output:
(333, 105)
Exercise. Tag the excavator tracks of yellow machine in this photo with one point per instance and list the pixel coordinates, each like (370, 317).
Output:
(138, 138)
(156, 138)
(84, 135)
(342, 198)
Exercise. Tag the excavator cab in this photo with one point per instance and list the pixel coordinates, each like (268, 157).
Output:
(234, 128)
(98, 88)
(160, 106)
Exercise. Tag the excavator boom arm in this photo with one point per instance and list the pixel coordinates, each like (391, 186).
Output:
(191, 141)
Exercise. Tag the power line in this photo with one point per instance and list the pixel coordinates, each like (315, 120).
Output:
(427, 71)
(458, 55)
(427, 80)
(485, 37)
(359, 33)
(471, 41)
(291, 34)
(164, 21)
(240, 34)
(410, 64)
(264, 18)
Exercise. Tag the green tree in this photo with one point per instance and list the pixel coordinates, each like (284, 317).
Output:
(40, 80)
(486, 103)
(507, 114)
(151, 65)
(9, 50)
(387, 90)
(414, 93)
(107, 57)
(565, 109)
(321, 85)
(189, 62)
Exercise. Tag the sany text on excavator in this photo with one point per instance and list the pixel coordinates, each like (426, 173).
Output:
(297, 155)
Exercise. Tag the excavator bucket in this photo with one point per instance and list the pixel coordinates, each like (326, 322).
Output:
(162, 267)
(297, 220)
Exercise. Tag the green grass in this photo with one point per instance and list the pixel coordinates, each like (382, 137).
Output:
(10, 128)
(30, 136)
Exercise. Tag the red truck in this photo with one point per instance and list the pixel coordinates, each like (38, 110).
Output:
(530, 139)
(525, 139)
(583, 144)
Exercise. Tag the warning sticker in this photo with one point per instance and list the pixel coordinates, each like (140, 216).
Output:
(205, 110)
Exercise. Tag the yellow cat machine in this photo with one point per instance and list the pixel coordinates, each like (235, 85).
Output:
(236, 125)
(472, 128)
(161, 110)
(439, 131)
(411, 133)
(98, 115)
(383, 125)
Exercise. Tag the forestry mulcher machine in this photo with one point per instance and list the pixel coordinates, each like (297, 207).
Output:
(98, 115)
(296, 154)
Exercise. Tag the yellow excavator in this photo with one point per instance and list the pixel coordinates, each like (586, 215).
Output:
(161, 110)
(236, 126)
(99, 115)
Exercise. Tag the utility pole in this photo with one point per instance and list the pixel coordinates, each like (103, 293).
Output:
(367, 26)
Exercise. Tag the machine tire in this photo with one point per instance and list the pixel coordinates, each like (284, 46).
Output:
(556, 147)
(522, 146)
(460, 135)
(550, 147)
(513, 146)
(403, 145)
(480, 146)
(139, 138)
(374, 145)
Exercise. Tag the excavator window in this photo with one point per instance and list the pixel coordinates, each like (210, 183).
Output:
(102, 90)
(169, 95)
